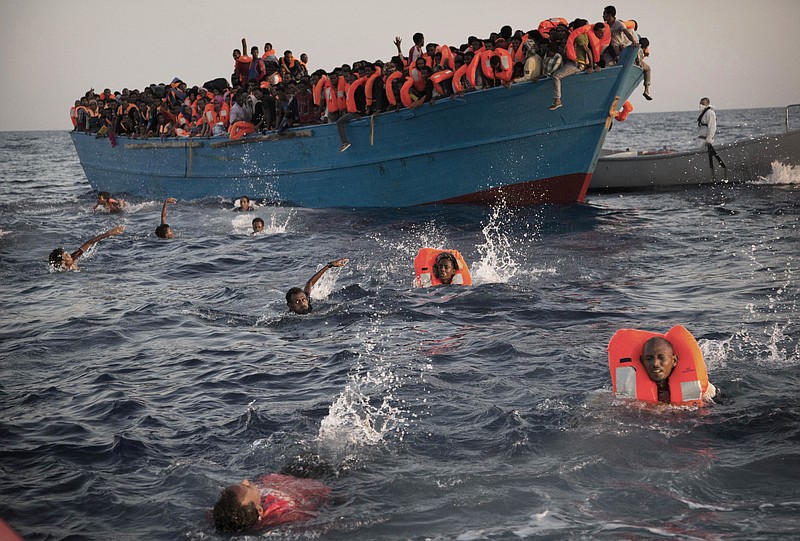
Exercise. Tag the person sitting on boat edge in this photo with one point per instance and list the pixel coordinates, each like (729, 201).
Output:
(258, 226)
(164, 231)
(356, 102)
(299, 300)
(658, 368)
(583, 57)
(269, 501)
(112, 205)
(60, 259)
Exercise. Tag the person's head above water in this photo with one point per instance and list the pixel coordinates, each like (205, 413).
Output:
(298, 301)
(60, 259)
(445, 267)
(238, 507)
(258, 225)
(658, 358)
(164, 231)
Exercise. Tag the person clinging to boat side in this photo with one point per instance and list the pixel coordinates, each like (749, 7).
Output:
(657, 368)
(164, 231)
(299, 300)
(60, 259)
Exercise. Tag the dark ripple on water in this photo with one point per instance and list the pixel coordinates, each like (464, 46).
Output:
(134, 390)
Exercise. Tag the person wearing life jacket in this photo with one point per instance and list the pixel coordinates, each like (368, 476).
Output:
(621, 36)
(439, 85)
(502, 64)
(394, 82)
(547, 25)
(73, 114)
(579, 53)
(434, 267)
(329, 98)
(241, 66)
(460, 82)
(415, 72)
(290, 67)
(373, 90)
(356, 103)
(658, 368)
(269, 54)
(485, 57)
(299, 300)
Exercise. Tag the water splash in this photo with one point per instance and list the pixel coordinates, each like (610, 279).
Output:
(276, 226)
(497, 263)
(781, 174)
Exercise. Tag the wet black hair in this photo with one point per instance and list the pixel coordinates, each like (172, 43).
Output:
(611, 10)
(230, 515)
(644, 43)
(291, 292)
(161, 231)
(441, 256)
(417, 37)
(57, 257)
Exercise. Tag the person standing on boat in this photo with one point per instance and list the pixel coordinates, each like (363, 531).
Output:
(706, 123)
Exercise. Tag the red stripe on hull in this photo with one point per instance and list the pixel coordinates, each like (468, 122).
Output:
(564, 189)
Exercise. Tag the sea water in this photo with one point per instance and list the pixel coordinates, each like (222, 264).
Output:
(133, 390)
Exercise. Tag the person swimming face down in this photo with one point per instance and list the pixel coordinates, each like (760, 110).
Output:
(238, 507)
(445, 267)
(658, 359)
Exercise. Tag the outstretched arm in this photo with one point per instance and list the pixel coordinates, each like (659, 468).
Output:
(397, 41)
(171, 200)
(314, 279)
(110, 233)
(245, 52)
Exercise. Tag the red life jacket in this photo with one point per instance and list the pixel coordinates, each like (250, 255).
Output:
(688, 381)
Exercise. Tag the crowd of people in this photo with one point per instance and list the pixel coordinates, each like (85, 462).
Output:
(271, 93)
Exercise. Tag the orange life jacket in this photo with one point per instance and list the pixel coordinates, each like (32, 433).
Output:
(423, 268)
(225, 114)
(210, 115)
(688, 381)
(240, 129)
(458, 79)
(331, 100)
(368, 85)
(405, 92)
(351, 94)
(596, 45)
(548, 24)
(506, 70)
(448, 61)
(631, 25)
(439, 77)
(73, 115)
(627, 107)
(389, 87)
(486, 65)
(317, 91)
(416, 76)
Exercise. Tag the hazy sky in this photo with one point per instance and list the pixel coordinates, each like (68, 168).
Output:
(741, 54)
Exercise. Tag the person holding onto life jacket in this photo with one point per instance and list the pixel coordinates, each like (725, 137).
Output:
(299, 300)
(111, 205)
(659, 368)
(271, 500)
(164, 231)
(584, 59)
(434, 267)
(60, 259)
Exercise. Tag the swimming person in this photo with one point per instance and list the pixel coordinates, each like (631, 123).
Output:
(112, 205)
(440, 267)
(258, 225)
(299, 300)
(271, 500)
(60, 259)
(164, 231)
(244, 205)
(659, 368)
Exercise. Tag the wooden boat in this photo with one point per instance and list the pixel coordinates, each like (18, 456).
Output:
(501, 144)
(744, 160)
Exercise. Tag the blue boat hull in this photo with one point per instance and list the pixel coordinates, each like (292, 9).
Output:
(488, 146)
